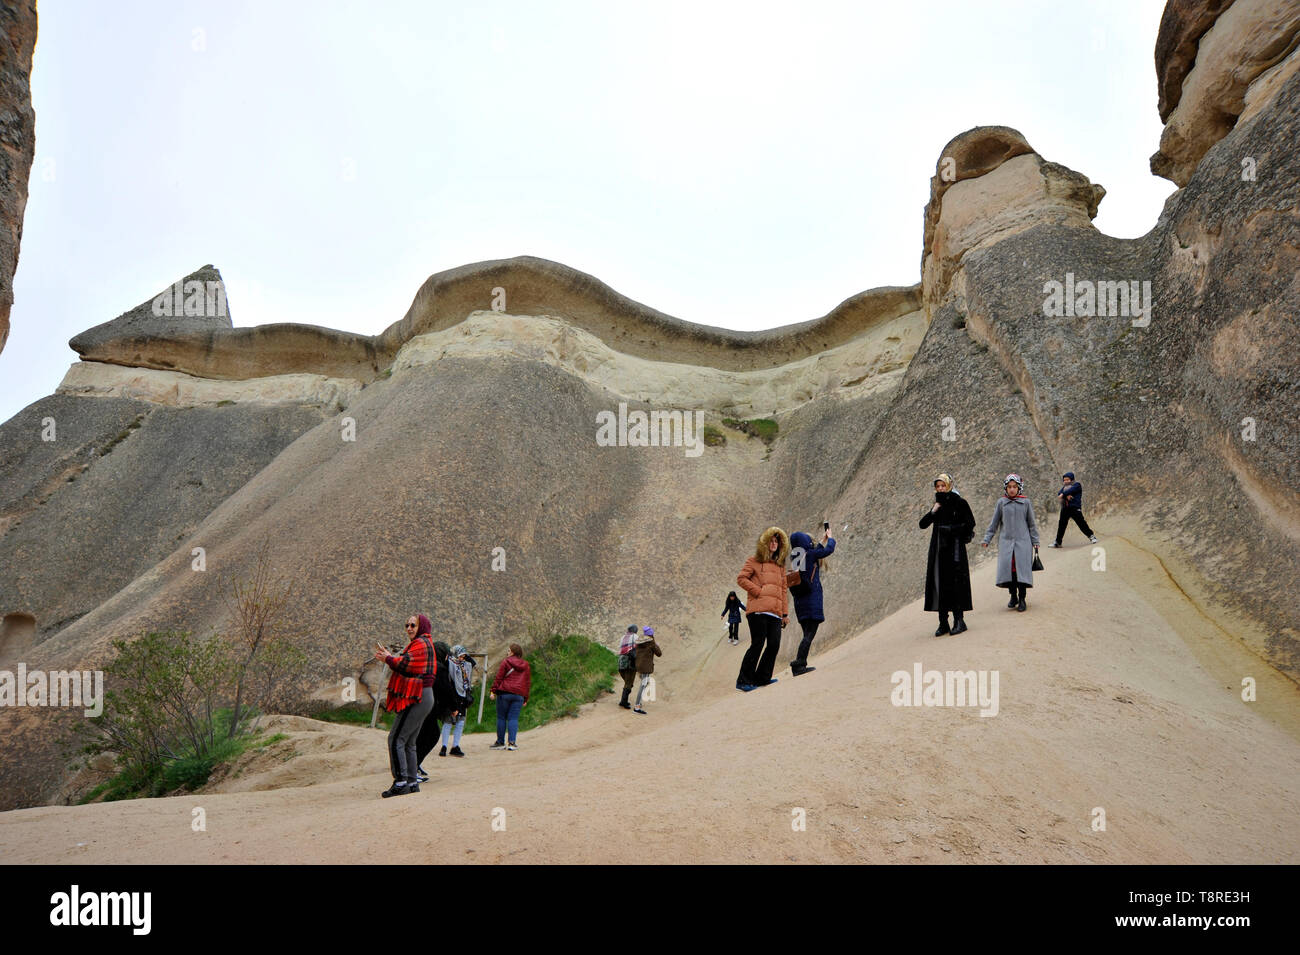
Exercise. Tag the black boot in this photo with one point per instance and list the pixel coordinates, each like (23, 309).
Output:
(1021, 605)
(1011, 604)
(958, 624)
(627, 692)
(943, 625)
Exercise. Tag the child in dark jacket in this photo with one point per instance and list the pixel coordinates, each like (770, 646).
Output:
(732, 610)
(1071, 495)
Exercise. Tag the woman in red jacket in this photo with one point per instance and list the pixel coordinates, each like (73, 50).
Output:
(510, 689)
(763, 578)
(410, 696)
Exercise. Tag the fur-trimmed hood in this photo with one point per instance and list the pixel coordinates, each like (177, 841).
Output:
(765, 539)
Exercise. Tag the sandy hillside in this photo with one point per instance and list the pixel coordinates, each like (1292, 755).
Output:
(1115, 691)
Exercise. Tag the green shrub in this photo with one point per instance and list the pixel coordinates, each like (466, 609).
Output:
(765, 429)
(176, 706)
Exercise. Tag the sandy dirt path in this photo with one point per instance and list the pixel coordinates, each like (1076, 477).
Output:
(1102, 704)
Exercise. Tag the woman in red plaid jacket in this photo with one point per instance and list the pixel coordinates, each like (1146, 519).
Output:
(410, 696)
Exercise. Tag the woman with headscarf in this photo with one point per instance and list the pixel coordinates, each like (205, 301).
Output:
(646, 651)
(947, 572)
(763, 578)
(410, 696)
(462, 680)
(1015, 515)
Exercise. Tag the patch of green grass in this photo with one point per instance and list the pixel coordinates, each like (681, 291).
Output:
(225, 401)
(765, 429)
(122, 435)
(96, 792)
(568, 671)
(713, 437)
(354, 714)
(187, 772)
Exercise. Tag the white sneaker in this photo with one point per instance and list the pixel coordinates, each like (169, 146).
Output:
(512, 747)
(1093, 539)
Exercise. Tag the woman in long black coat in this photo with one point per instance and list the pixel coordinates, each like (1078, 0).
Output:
(947, 572)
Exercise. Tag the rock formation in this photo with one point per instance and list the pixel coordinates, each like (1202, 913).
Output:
(1218, 63)
(17, 140)
(385, 471)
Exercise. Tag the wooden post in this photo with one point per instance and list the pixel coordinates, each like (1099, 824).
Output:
(482, 692)
(374, 713)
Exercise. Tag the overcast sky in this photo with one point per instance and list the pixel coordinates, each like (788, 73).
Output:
(745, 165)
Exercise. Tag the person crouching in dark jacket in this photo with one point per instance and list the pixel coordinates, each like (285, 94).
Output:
(807, 593)
(947, 571)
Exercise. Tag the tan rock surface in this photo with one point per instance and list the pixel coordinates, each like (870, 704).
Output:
(1012, 195)
(178, 390)
(17, 140)
(1247, 40)
(1182, 25)
(867, 363)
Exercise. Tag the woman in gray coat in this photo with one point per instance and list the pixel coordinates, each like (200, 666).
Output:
(1015, 515)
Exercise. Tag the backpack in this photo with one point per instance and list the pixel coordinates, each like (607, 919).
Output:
(627, 652)
(468, 699)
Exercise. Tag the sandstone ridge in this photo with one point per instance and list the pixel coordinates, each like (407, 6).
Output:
(211, 348)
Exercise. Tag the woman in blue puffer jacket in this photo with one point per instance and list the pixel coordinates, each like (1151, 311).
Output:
(807, 593)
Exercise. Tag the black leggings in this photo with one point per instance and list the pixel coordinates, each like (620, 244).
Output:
(430, 733)
(733, 629)
(809, 631)
(1068, 514)
(1018, 590)
(764, 644)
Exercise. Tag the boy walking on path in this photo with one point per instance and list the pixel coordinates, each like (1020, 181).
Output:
(1071, 495)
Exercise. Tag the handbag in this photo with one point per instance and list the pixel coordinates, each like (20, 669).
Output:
(1037, 564)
